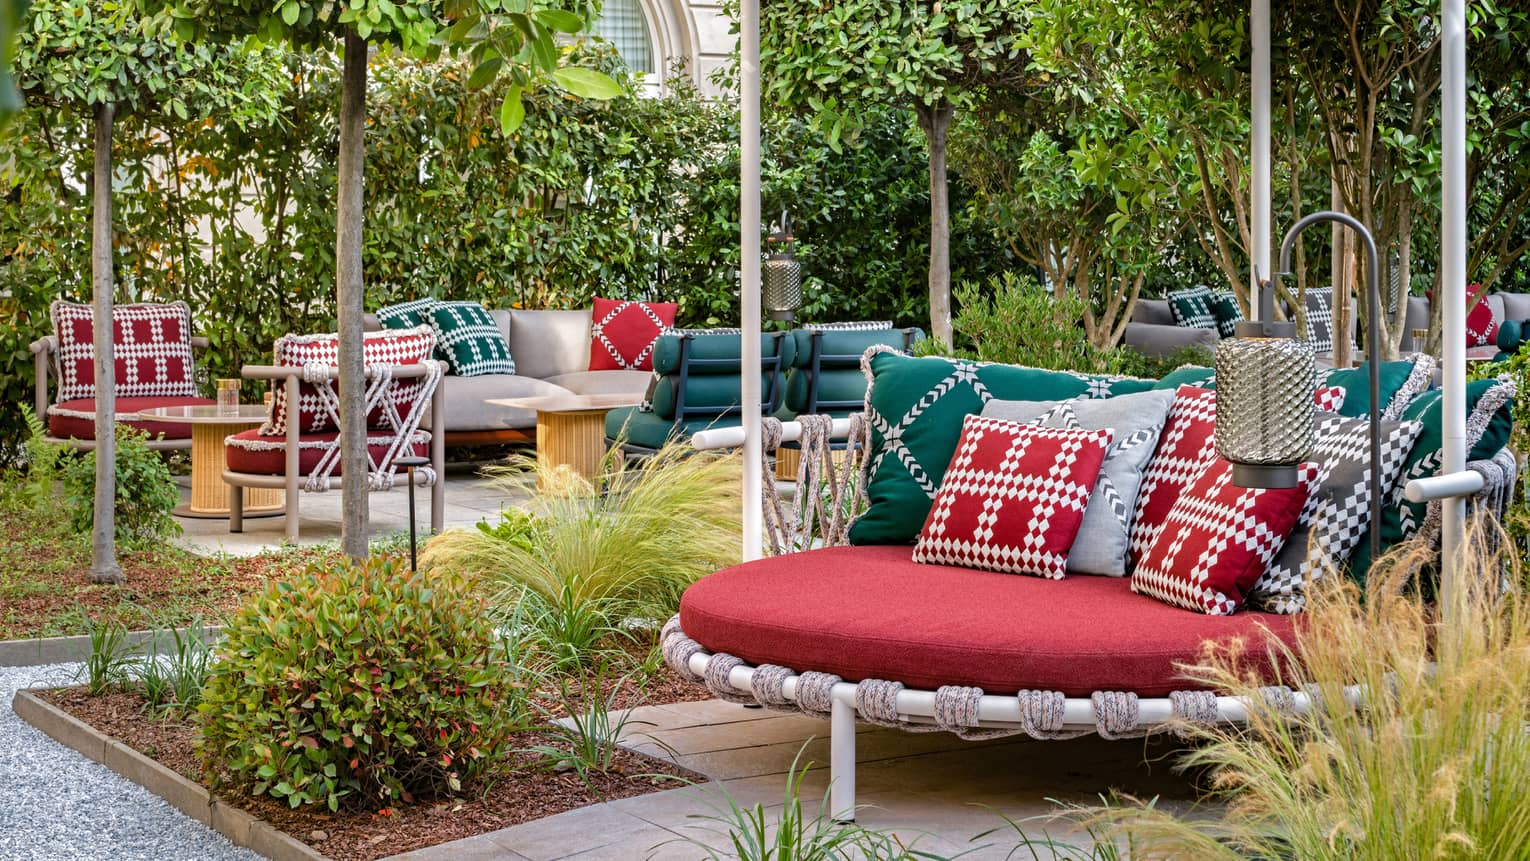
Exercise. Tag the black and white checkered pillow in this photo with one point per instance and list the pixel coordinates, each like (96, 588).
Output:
(470, 339)
(1192, 308)
(855, 326)
(1319, 302)
(1337, 514)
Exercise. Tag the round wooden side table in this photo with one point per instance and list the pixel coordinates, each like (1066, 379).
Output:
(571, 429)
(210, 425)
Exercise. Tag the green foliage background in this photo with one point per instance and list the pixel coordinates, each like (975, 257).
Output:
(631, 198)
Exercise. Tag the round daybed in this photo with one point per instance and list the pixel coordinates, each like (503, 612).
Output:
(865, 633)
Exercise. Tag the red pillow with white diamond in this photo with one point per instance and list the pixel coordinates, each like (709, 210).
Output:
(385, 347)
(1183, 447)
(1013, 497)
(1329, 399)
(623, 334)
(151, 350)
(1218, 539)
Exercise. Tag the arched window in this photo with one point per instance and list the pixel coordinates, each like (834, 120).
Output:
(624, 24)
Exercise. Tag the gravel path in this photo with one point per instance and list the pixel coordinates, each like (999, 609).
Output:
(57, 805)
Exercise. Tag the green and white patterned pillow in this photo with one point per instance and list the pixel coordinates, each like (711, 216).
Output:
(1225, 306)
(916, 407)
(471, 342)
(1192, 308)
(406, 315)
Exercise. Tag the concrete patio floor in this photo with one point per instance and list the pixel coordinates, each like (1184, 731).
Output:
(469, 499)
(935, 791)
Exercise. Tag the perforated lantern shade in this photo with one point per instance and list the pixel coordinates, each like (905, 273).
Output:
(781, 286)
(1265, 423)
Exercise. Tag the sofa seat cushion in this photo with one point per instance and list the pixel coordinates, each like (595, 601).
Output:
(250, 452)
(649, 430)
(872, 612)
(633, 383)
(76, 419)
(468, 409)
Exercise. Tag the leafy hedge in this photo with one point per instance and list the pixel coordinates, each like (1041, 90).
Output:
(637, 197)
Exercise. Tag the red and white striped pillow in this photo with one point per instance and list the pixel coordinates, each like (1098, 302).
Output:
(1013, 497)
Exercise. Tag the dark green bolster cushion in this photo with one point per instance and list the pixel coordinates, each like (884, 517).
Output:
(847, 344)
(841, 384)
(917, 409)
(714, 393)
(666, 352)
(650, 431)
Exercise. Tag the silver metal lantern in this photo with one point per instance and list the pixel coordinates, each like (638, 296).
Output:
(1265, 423)
(781, 275)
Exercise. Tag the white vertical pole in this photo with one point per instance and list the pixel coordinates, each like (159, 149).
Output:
(749, 269)
(842, 761)
(1260, 229)
(1452, 287)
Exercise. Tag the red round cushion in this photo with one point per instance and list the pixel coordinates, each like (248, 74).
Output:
(267, 456)
(872, 612)
(76, 419)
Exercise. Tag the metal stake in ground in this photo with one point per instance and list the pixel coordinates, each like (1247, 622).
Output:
(409, 464)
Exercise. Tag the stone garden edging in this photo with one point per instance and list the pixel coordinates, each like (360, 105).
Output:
(38, 651)
(191, 798)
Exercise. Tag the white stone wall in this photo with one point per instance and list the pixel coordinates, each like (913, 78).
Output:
(696, 31)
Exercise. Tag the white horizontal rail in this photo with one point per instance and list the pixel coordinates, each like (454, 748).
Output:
(1463, 483)
(734, 437)
(996, 711)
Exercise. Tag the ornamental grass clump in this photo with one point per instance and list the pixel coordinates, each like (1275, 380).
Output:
(1434, 762)
(591, 557)
(360, 686)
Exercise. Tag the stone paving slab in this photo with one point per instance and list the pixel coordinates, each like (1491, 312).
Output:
(932, 790)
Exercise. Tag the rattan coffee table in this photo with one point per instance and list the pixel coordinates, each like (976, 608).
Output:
(210, 425)
(571, 429)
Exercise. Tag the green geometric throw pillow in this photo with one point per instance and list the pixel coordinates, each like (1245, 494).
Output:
(406, 315)
(917, 406)
(1224, 305)
(1192, 308)
(471, 342)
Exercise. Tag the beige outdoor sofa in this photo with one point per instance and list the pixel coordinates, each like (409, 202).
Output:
(551, 350)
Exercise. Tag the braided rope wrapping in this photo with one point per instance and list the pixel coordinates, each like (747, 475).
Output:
(815, 692)
(1279, 698)
(379, 380)
(770, 684)
(678, 649)
(1198, 708)
(716, 679)
(826, 496)
(956, 712)
(876, 701)
(1115, 715)
(1041, 715)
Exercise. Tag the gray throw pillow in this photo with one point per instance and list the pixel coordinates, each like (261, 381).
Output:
(1137, 420)
(1337, 514)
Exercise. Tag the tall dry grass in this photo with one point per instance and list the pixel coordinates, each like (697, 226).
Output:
(1435, 763)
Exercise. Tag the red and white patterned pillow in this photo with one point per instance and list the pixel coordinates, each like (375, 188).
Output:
(1013, 497)
(151, 350)
(385, 347)
(622, 334)
(1218, 539)
(1183, 447)
(1329, 399)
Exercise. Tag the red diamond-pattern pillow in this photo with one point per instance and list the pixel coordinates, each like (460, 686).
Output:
(1481, 324)
(1183, 446)
(622, 334)
(151, 350)
(1013, 497)
(385, 347)
(1218, 539)
(1329, 398)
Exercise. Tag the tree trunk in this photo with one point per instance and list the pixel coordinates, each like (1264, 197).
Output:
(103, 551)
(349, 290)
(936, 121)
(1342, 268)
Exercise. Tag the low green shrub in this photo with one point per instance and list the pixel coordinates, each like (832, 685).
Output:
(362, 686)
(146, 492)
(1011, 318)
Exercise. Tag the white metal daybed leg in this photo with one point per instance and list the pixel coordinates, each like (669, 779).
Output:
(842, 761)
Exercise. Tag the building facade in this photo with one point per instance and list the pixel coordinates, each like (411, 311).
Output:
(656, 36)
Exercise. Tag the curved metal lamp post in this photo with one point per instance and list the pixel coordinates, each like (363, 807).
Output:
(1372, 342)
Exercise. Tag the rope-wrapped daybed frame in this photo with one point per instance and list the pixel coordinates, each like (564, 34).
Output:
(819, 518)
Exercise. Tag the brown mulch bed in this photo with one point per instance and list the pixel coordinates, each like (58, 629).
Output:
(526, 793)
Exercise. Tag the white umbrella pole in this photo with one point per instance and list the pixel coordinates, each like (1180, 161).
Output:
(1260, 228)
(749, 269)
(1452, 287)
